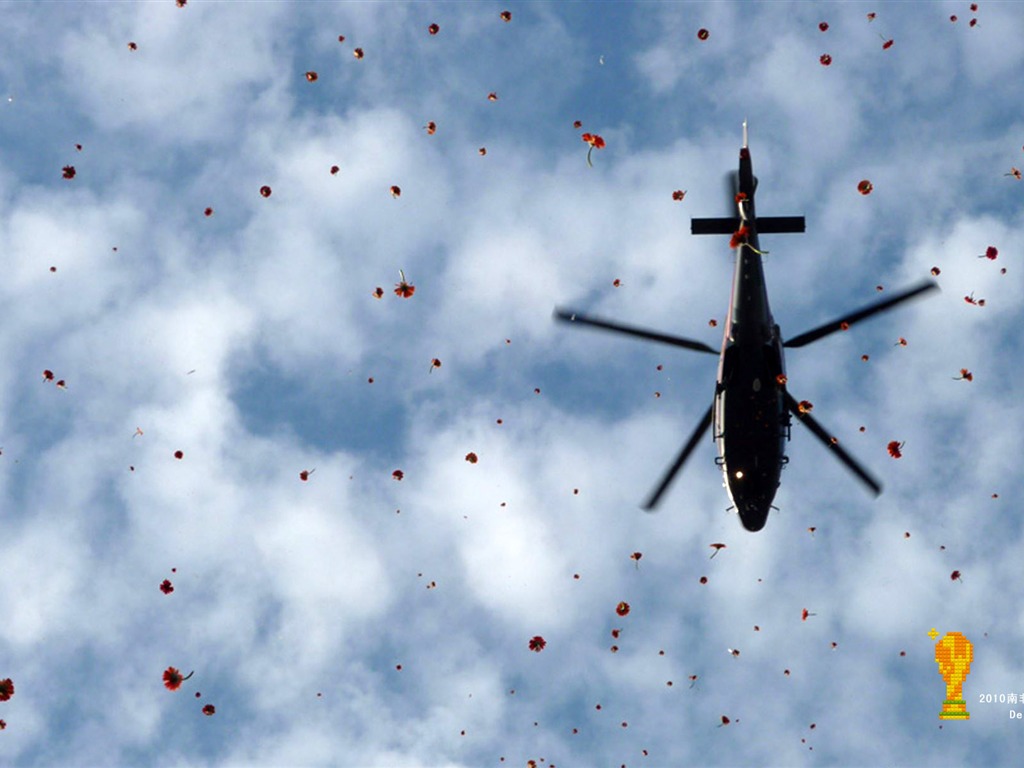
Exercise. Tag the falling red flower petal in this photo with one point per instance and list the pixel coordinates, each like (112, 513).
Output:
(209, 710)
(166, 587)
(537, 643)
(311, 76)
(6, 689)
(678, 195)
(825, 60)
(702, 34)
(823, 26)
(265, 191)
(895, 449)
(69, 171)
(433, 29)
(865, 187)
(472, 458)
(622, 608)
(398, 474)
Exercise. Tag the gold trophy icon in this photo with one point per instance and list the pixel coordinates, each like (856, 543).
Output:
(954, 654)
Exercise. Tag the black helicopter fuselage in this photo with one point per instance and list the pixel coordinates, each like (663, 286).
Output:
(752, 408)
(751, 420)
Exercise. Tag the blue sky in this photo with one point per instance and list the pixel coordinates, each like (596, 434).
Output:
(246, 339)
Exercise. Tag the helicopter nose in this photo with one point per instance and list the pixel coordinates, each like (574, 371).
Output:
(753, 516)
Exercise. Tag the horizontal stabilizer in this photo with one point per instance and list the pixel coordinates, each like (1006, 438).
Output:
(766, 225)
(774, 225)
(714, 226)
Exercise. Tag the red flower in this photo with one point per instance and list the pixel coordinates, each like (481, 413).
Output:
(61, 384)
(47, 375)
(133, 47)
(3, 724)
(740, 197)
(166, 587)
(433, 29)
(435, 363)
(209, 710)
(537, 643)
(936, 270)
(334, 170)
(901, 342)
(871, 16)
(492, 96)
(805, 614)
(823, 26)
(577, 124)
(825, 60)
(472, 458)
(702, 34)
(179, 455)
(887, 44)
(265, 190)
(311, 76)
(953, 18)
(506, 16)
(635, 557)
(738, 236)
(865, 187)
(679, 194)
(965, 375)
(378, 293)
(717, 548)
(341, 38)
(431, 128)
(304, 474)
(69, 171)
(396, 191)
(208, 212)
(482, 151)
(1015, 172)
(404, 288)
(844, 326)
(974, 7)
(974, 23)
(398, 474)
(895, 449)
(955, 576)
(358, 53)
(595, 142)
(173, 678)
(990, 253)
(725, 721)
(6, 689)
(616, 283)
(622, 608)
(805, 406)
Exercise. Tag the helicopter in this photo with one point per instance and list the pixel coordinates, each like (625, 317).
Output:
(752, 407)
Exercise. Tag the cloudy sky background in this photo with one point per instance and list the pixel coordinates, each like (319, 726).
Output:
(247, 339)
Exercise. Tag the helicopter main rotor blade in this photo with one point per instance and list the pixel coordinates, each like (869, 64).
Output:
(684, 454)
(861, 314)
(677, 341)
(811, 423)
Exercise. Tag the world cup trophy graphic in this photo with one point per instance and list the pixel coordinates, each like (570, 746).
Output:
(954, 654)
